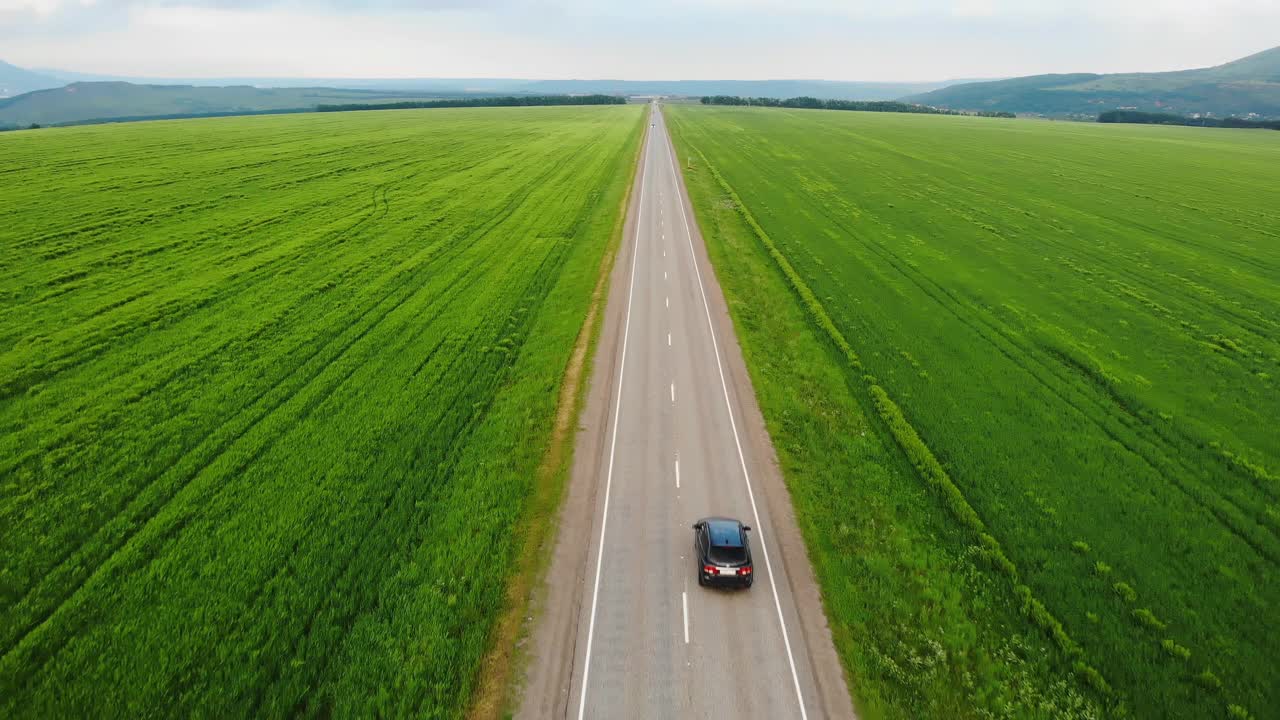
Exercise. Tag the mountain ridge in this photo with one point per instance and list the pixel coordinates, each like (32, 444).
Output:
(774, 87)
(1247, 86)
(93, 101)
(15, 81)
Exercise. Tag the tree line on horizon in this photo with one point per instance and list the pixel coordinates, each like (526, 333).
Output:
(501, 101)
(1150, 118)
(812, 103)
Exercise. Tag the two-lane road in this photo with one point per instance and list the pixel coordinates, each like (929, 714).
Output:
(676, 444)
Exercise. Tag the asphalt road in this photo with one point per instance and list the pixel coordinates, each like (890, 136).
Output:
(676, 436)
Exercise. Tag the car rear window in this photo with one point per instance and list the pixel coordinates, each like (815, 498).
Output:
(727, 555)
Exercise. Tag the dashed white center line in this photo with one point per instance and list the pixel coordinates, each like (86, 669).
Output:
(668, 339)
(677, 473)
(715, 348)
(664, 274)
(673, 392)
(684, 603)
(668, 302)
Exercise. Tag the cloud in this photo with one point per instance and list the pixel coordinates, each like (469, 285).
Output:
(35, 7)
(834, 39)
(17, 9)
(1036, 11)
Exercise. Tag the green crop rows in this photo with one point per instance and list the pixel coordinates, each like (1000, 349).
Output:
(1022, 378)
(272, 395)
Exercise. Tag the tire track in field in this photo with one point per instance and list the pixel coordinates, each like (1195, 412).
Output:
(456, 287)
(181, 369)
(51, 366)
(145, 554)
(319, 347)
(230, 290)
(233, 289)
(486, 392)
(1234, 517)
(347, 579)
(955, 189)
(338, 581)
(1212, 306)
(1202, 495)
(139, 523)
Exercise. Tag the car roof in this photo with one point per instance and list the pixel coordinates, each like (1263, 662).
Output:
(724, 532)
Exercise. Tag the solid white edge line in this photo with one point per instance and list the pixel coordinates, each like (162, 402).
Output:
(613, 444)
(684, 602)
(786, 640)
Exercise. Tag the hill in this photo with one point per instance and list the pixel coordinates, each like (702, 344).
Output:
(822, 89)
(16, 81)
(85, 101)
(1245, 86)
(825, 89)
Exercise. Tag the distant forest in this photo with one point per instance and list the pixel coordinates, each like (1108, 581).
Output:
(1150, 118)
(505, 101)
(812, 103)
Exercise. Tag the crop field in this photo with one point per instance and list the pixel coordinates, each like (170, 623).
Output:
(1022, 379)
(273, 394)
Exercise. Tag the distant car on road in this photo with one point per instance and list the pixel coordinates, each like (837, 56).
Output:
(723, 552)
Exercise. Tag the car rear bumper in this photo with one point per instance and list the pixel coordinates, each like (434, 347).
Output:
(726, 580)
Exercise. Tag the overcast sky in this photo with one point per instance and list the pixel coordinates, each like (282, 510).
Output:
(632, 39)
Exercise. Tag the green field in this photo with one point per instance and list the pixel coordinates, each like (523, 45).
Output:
(1022, 378)
(273, 392)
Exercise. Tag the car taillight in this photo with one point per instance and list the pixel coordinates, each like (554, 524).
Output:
(709, 569)
(744, 570)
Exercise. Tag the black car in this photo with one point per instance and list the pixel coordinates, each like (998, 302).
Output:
(723, 553)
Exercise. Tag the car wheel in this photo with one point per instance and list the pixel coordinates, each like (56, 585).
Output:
(750, 580)
(701, 580)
